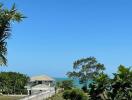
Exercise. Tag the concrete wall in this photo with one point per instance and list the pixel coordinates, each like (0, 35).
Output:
(40, 96)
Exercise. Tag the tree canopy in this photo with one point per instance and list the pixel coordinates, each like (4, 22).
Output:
(13, 82)
(7, 16)
(102, 86)
(86, 69)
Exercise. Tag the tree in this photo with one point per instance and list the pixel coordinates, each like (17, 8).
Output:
(86, 69)
(13, 82)
(7, 16)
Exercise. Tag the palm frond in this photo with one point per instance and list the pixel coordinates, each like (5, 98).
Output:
(6, 17)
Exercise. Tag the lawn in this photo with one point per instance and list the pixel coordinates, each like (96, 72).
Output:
(10, 97)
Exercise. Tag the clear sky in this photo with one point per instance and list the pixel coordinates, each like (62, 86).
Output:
(58, 32)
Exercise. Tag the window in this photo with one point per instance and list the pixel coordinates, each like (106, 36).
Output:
(39, 82)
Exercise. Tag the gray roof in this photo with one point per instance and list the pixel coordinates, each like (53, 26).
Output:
(41, 78)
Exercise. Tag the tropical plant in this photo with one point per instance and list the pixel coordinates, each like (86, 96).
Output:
(7, 16)
(75, 94)
(121, 85)
(99, 87)
(117, 88)
(86, 69)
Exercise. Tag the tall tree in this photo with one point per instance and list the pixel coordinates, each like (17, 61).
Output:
(85, 69)
(7, 16)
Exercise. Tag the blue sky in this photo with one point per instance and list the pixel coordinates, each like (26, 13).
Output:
(58, 32)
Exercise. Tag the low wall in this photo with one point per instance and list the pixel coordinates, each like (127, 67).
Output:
(40, 96)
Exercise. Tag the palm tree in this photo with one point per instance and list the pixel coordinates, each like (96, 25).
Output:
(7, 16)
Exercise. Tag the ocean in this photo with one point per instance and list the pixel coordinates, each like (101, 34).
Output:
(75, 81)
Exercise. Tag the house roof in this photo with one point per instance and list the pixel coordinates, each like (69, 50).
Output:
(41, 78)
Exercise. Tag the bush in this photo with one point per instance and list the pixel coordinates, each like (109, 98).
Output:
(75, 94)
(67, 84)
(84, 88)
(66, 94)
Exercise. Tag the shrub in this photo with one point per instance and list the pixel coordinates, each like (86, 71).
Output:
(66, 94)
(75, 94)
(84, 88)
(67, 84)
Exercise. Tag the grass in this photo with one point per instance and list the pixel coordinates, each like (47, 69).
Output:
(10, 97)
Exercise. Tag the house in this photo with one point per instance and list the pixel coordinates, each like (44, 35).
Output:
(39, 84)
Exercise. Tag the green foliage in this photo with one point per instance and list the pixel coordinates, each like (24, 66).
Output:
(12, 82)
(57, 96)
(58, 84)
(86, 69)
(122, 84)
(7, 16)
(66, 94)
(99, 87)
(84, 88)
(102, 87)
(75, 94)
(66, 84)
(117, 88)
